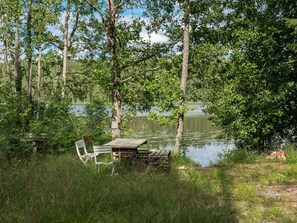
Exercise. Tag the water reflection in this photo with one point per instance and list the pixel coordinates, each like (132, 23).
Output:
(199, 141)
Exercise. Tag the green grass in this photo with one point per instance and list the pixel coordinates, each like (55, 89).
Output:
(61, 189)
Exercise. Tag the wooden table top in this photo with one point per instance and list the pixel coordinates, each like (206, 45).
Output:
(120, 143)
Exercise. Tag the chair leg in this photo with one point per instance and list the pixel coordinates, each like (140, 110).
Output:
(112, 170)
(85, 161)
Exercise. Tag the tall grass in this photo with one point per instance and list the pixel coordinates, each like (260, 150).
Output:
(61, 189)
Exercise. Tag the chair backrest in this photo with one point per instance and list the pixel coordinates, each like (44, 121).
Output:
(80, 145)
(104, 149)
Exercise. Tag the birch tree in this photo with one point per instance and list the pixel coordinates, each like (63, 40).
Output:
(177, 20)
(4, 30)
(68, 39)
(16, 55)
(176, 27)
(29, 51)
(184, 75)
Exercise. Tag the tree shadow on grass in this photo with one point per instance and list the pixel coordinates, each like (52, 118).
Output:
(226, 182)
(158, 197)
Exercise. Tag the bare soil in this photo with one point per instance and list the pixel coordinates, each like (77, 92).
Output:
(287, 193)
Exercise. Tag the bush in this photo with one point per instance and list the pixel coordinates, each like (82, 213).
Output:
(96, 121)
(55, 128)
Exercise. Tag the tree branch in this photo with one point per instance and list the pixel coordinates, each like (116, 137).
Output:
(148, 70)
(149, 56)
(77, 72)
(55, 45)
(97, 9)
(74, 28)
(122, 81)
(121, 4)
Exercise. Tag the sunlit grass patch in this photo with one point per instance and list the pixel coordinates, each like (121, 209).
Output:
(245, 191)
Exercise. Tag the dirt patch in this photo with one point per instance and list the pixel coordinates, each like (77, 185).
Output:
(283, 192)
(267, 164)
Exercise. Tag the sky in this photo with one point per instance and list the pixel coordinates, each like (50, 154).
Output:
(128, 16)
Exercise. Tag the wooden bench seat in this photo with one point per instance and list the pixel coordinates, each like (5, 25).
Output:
(153, 158)
(157, 154)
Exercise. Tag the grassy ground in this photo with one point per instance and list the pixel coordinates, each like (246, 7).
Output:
(243, 188)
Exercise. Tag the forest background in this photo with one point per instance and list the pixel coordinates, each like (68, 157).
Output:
(238, 58)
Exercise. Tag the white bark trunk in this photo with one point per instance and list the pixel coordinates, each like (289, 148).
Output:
(65, 50)
(17, 74)
(39, 81)
(29, 52)
(116, 119)
(116, 93)
(5, 44)
(184, 77)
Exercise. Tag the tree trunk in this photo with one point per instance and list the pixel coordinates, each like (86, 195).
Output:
(17, 67)
(5, 70)
(39, 81)
(65, 50)
(116, 92)
(184, 77)
(29, 52)
(116, 114)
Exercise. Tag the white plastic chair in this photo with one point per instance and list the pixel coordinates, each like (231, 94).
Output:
(100, 159)
(82, 152)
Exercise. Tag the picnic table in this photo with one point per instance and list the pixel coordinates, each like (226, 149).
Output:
(143, 158)
(35, 139)
(126, 146)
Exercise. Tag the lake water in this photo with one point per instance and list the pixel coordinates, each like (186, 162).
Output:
(200, 142)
